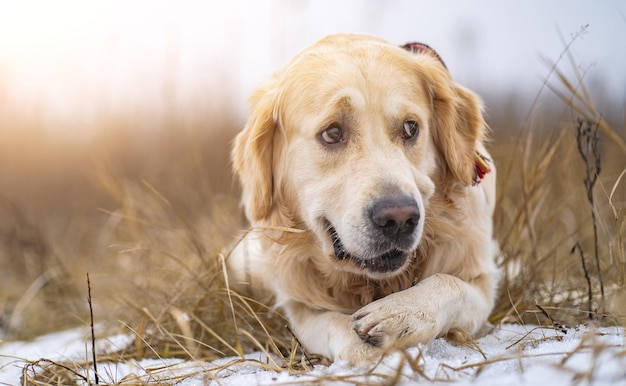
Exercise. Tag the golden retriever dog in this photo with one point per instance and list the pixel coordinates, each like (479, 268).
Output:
(370, 197)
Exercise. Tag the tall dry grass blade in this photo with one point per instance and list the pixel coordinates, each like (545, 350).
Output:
(182, 320)
(594, 117)
(279, 228)
(527, 186)
(168, 333)
(141, 337)
(621, 252)
(252, 313)
(526, 122)
(587, 110)
(262, 348)
(613, 189)
(588, 101)
(217, 336)
(28, 296)
(222, 261)
(573, 89)
(533, 175)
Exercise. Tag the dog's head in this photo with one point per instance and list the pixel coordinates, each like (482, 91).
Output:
(349, 139)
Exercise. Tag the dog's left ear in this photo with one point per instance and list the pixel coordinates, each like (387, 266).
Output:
(459, 127)
(458, 124)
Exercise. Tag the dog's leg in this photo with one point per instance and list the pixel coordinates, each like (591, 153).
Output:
(431, 308)
(330, 334)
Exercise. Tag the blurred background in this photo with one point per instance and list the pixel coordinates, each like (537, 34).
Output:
(111, 111)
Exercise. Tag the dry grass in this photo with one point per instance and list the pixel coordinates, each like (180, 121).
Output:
(550, 215)
(152, 215)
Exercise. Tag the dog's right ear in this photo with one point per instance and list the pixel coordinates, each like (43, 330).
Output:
(253, 154)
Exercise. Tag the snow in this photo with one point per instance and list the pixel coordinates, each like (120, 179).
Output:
(510, 355)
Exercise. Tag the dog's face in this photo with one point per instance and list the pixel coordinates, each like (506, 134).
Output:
(348, 140)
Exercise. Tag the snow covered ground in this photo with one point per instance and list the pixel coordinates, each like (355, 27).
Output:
(511, 355)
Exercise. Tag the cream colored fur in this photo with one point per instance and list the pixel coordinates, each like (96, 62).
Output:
(294, 186)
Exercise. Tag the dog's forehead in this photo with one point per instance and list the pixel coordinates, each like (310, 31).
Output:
(327, 71)
(331, 56)
(355, 75)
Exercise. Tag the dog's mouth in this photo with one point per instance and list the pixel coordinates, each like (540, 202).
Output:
(389, 261)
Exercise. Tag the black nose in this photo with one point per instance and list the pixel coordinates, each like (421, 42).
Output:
(397, 218)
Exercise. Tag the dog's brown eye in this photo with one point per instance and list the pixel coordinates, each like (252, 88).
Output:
(332, 135)
(410, 130)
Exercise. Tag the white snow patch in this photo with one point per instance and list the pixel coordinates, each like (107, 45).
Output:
(511, 355)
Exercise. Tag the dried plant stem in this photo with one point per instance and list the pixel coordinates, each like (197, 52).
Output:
(587, 139)
(93, 335)
(306, 356)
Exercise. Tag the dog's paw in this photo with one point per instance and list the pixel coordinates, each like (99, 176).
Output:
(396, 322)
(360, 355)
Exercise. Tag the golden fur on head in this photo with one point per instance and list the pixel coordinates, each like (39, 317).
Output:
(457, 120)
(370, 151)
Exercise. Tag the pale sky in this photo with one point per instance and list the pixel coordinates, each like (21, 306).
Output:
(72, 57)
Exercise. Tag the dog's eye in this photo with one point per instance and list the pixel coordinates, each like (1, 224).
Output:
(332, 135)
(410, 130)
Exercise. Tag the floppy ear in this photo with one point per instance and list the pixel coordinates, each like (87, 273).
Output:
(253, 154)
(458, 124)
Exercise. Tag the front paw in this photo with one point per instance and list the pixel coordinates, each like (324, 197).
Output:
(390, 322)
(360, 355)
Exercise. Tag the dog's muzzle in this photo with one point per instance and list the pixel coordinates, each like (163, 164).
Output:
(392, 230)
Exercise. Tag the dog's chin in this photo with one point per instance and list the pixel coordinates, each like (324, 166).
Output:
(386, 264)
